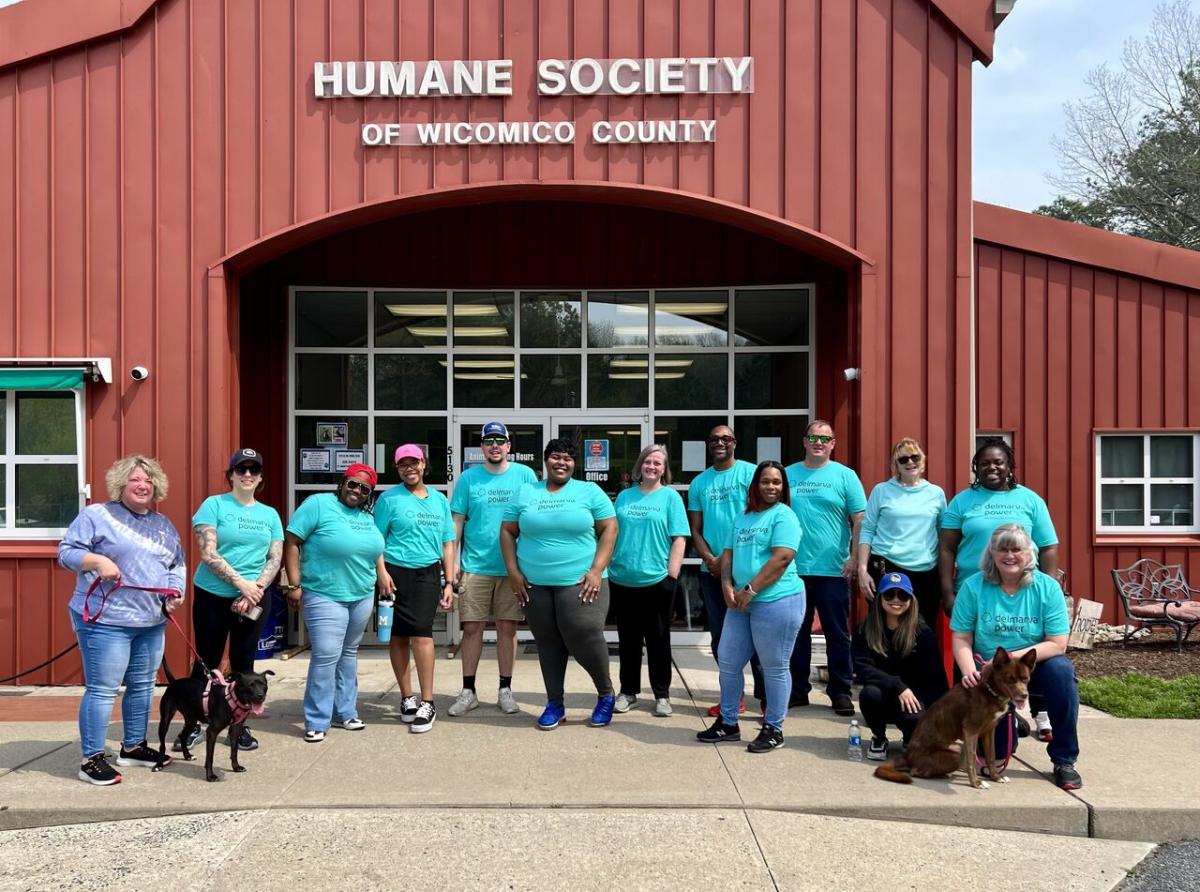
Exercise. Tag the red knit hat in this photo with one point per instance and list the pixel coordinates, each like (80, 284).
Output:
(366, 470)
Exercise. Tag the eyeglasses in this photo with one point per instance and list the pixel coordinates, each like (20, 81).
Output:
(717, 441)
(896, 594)
(494, 441)
(365, 488)
(254, 470)
(819, 438)
(908, 459)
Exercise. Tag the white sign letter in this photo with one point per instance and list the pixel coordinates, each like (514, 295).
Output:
(551, 81)
(327, 74)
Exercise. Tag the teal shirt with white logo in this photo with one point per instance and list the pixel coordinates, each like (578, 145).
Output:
(977, 513)
(339, 547)
(753, 538)
(481, 498)
(996, 619)
(719, 496)
(823, 499)
(646, 526)
(902, 522)
(413, 529)
(244, 536)
(557, 541)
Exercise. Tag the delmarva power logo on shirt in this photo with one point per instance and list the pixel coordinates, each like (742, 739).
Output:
(1013, 624)
(717, 494)
(749, 534)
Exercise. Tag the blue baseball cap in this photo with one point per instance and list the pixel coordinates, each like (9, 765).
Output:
(895, 580)
(494, 429)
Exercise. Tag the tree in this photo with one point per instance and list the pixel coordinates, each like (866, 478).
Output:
(1130, 157)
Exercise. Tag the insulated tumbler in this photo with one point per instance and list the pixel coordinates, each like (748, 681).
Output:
(383, 620)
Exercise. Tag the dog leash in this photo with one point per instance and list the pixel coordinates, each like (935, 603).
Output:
(164, 594)
(1010, 720)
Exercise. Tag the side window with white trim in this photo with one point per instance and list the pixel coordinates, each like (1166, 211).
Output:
(1147, 483)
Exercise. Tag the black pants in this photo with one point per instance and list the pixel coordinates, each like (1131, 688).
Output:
(881, 708)
(213, 623)
(927, 588)
(644, 615)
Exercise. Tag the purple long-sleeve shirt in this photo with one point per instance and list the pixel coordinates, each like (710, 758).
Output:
(146, 549)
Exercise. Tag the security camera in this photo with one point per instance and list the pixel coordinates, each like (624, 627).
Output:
(139, 373)
(851, 374)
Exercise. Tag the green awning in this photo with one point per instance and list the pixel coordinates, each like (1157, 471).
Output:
(40, 379)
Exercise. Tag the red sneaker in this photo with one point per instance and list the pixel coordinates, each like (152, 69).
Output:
(715, 709)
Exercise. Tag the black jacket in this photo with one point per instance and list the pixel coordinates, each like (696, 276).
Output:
(921, 670)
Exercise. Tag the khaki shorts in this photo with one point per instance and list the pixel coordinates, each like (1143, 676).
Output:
(487, 597)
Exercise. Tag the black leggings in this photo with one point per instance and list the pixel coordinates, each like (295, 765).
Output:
(881, 708)
(213, 622)
(644, 615)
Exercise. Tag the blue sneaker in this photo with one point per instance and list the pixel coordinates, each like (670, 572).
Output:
(551, 716)
(602, 714)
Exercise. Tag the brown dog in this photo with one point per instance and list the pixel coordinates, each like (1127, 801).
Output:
(948, 733)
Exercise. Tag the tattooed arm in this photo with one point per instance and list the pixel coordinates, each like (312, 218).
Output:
(271, 569)
(206, 539)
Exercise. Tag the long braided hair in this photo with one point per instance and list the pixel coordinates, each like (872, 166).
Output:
(995, 443)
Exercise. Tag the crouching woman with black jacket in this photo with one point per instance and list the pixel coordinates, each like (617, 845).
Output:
(896, 661)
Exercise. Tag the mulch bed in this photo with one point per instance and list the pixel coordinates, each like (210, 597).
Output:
(1154, 655)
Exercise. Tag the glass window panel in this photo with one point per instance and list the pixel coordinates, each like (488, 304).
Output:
(3, 423)
(483, 382)
(1171, 504)
(46, 423)
(526, 442)
(407, 381)
(331, 318)
(1170, 457)
(689, 603)
(483, 319)
(621, 380)
(410, 318)
(428, 433)
(550, 319)
(691, 381)
(618, 318)
(3, 494)
(550, 381)
(330, 381)
(624, 443)
(685, 437)
(771, 318)
(778, 437)
(771, 380)
(306, 428)
(1121, 457)
(1121, 505)
(691, 318)
(47, 495)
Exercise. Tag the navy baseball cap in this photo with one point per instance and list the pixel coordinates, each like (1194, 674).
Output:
(494, 429)
(246, 455)
(895, 580)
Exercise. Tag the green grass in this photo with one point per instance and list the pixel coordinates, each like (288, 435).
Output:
(1134, 696)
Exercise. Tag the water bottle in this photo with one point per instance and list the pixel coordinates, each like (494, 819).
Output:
(854, 744)
(383, 620)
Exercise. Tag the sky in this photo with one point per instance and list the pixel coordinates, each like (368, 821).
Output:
(1043, 51)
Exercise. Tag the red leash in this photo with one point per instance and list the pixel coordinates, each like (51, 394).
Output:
(1009, 720)
(164, 593)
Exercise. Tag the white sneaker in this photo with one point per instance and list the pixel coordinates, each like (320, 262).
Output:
(625, 702)
(662, 707)
(314, 736)
(507, 702)
(408, 709)
(463, 703)
(355, 724)
(1045, 731)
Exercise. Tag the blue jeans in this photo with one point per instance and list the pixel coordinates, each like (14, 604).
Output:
(768, 629)
(715, 609)
(335, 629)
(830, 597)
(1054, 679)
(112, 655)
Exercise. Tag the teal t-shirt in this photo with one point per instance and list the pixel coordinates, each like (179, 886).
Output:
(996, 619)
(719, 496)
(481, 498)
(557, 541)
(413, 529)
(902, 522)
(646, 526)
(752, 539)
(977, 513)
(339, 548)
(244, 536)
(823, 499)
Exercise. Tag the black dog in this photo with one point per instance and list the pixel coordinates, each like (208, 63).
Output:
(248, 690)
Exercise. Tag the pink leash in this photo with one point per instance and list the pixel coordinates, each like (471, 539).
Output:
(1010, 720)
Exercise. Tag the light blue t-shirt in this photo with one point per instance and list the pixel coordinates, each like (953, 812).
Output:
(977, 513)
(719, 496)
(902, 522)
(481, 498)
(823, 499)
(244, 536)
(752, 539)
(413, 529)
(646, 526)
(557, 541)
(339, 550)
(996, 619)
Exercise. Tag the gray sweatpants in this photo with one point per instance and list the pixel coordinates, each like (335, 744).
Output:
(564, 626)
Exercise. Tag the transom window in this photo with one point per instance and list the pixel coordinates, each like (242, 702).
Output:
(1147, 483)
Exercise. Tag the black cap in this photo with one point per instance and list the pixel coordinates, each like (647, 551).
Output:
(245, 455)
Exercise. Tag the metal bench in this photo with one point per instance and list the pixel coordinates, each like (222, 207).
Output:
(1156, 594)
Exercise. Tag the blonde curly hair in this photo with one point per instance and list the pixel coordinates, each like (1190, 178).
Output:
(122, 469)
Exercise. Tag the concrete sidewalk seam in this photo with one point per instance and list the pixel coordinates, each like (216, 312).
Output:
(16, 768)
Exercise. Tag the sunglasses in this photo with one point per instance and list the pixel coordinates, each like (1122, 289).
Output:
(819, 438)
(248, 469)
(717, 441)
(365, 488)
(494, 441)
(896, 594)
(908, 459)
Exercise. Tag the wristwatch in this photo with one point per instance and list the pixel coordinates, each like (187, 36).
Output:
(289, 588)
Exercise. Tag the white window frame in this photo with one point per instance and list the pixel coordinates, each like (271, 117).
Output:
(1147, 527)
(9, 460)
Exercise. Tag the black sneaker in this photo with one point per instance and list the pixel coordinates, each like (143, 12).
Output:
(1022, 726)
(718, 731)
(96, 770)
(798, 700)
(246, 740)
(192, 740)
(1066, 777)
(424, 718)
(769, 738)
(140, 756)
(843, 705)
(877, 749)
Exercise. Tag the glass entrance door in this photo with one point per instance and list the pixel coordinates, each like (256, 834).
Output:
(608, 447)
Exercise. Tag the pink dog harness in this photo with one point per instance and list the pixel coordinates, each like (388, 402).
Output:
(240, 710)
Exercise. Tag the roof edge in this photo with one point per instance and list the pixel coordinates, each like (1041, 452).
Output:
(38, 27)
(975, 20)
(1086, 245)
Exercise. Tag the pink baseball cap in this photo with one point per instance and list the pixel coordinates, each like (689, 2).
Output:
(409, 450)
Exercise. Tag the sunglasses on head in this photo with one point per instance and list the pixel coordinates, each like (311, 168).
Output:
(248, 469)
(357, 486)
(896, 594)
(494, 441)
(819, 438)
(908, 459)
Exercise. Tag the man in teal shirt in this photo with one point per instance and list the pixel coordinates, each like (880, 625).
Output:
(829, 501)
